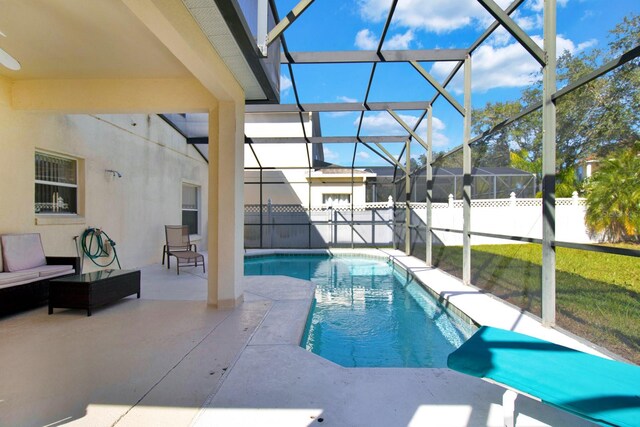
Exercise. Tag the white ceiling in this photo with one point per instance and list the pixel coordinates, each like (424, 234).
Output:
(93, 39)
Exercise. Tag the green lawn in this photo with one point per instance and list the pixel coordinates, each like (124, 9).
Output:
(598, 295)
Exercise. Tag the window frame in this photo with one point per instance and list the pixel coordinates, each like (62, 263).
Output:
(76, 186)
(326, 202)
(198, 208)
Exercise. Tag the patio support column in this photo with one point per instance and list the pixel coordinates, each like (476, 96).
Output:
(549, 167)
(428, 238)
(466, 178)
(226, 204)
(407, 210)
(261, 213)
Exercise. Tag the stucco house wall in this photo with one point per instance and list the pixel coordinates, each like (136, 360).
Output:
(282, 186)
(154, 161)
(290, 182)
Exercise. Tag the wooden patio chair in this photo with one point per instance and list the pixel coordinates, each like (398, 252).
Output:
(179, 246)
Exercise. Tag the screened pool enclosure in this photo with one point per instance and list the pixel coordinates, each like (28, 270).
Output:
(510, 183)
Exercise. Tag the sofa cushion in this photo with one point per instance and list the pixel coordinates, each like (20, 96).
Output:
(51, 270)
(22, 251)
(56, 270)
(22, 276)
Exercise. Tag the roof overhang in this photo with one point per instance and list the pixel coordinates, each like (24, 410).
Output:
(327, 176)
(231, 28)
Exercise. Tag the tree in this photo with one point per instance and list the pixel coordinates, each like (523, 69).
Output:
(414, 164)
(495, 149)
(613, 197)
(567, 182)
(453, 160)
(593, 121)
(523, 160)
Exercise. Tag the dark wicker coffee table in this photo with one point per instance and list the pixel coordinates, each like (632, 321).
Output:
(90, 290)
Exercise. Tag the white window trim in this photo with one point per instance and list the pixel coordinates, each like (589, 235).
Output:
(335, 203)
(52, 218)
(198, 188)
(58, 184)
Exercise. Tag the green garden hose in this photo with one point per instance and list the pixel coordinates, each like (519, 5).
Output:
(101, 245)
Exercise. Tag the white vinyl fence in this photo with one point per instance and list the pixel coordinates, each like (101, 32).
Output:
(511, 217)
(294, 226)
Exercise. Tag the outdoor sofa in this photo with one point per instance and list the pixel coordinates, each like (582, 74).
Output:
(25, 272)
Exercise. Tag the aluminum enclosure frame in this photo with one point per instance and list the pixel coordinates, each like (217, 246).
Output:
(545, 56)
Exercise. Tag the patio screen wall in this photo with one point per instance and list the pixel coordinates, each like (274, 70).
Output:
(541, 250)
(505, 233)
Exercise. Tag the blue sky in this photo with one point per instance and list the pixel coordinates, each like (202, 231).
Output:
(500, 69)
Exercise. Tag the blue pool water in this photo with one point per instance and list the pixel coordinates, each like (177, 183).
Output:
(368, 314)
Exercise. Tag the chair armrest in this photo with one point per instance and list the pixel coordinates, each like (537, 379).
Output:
(65, 260)
(193, 245)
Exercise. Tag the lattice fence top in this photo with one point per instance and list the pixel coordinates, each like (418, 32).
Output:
(455, 204)
(288, 208)
(490, 203)
(528, 202)
(571, 201)
(62, 207)
(377, 205)
(253, 208)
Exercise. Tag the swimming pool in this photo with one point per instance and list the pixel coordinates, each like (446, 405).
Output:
(367, 313)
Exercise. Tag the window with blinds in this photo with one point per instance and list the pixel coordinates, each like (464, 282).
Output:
(190, 207)
(56, 186)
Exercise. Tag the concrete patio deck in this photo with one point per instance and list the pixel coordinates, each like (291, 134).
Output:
(169, 360)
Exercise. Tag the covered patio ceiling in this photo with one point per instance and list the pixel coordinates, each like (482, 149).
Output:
(62, 40)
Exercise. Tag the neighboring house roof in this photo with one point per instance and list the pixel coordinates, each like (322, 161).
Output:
(335, 173)
(332, 168)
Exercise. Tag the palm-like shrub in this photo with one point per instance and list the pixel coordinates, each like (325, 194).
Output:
(566, 182)
(613, 197)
